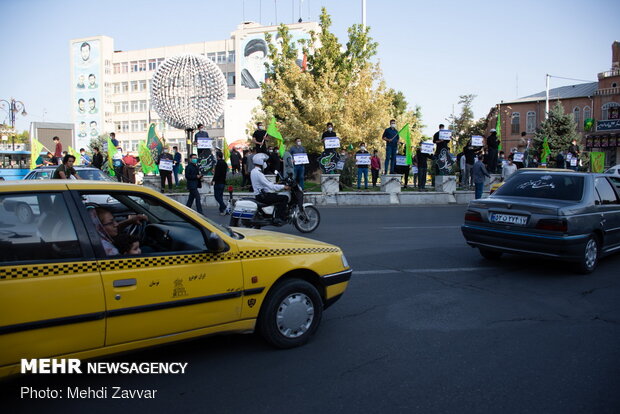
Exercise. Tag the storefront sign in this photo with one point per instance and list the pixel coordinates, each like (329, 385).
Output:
(608, 125)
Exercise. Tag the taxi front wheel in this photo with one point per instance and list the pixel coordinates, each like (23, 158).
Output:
(291, 314)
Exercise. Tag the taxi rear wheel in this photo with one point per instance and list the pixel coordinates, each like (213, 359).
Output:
(291, 314)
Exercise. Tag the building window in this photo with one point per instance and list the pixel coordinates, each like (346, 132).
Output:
(117, 68)
(135, 126)
(117, 107)
(152, 64)
(144, 125)
(125, 106)
(142, 66)
(133, 66)
(134, 86)
(587, 113)
(577, 117)
(142, 85)
(117, 126)
(221, 57)
(211, 56)
(531, 122)
(135, 106)
(610, 110)
(516, 120)
(231, 56)
(125, 87)
(143, 106)
(160, 61)
(124, 67)
(230, 78)
(125, 126)
(117, 87)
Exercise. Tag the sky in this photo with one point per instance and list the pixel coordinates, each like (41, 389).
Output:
(432, 51)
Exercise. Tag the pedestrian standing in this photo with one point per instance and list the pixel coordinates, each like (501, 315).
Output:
(97, 158)
(508, 170)
(422, 158)
(176, 157)
(479, 172)
(259, 139)
(193, 177)
(129, 169)
(559, 160)
(57, 150)
(245, 175)
(165, 169)
(375, 167)
(328, 133)
(390, 136)
(440, 144)
(492, 147)
(219, 181)
(85, 158)
(469, 154)
(235, 161)
(362, 169)
(117, 163)
(298, 169)
(573, 149)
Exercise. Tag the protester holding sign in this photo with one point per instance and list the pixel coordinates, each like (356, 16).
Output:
(300, 159)
(390, 136)
(422, 158)
(330, 144)
(165, 163)
(363, 160)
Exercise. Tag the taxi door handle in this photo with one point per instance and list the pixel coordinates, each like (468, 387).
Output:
(124, 283)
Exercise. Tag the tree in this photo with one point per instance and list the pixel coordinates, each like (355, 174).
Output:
(463, 126)
(560, 129)
(339, 85)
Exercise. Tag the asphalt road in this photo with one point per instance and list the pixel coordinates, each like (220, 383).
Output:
(425, 326)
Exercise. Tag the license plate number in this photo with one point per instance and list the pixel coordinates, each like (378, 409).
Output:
(508, 219)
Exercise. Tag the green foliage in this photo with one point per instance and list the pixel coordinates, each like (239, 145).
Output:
(560, 129)
(340, 85)
(463, 126)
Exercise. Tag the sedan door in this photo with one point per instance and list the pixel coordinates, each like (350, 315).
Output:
(608, 205)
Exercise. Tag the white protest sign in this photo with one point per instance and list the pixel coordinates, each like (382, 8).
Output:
(569, 156)
(445, 134)
(332, 142)
(477, 141)
(300, 158)
(340, 165)
(427, 148)
(165, 165)
(205, 143)
(362, 159)
(401, 160)
(573, 162)
(518, 157)
(414, 169)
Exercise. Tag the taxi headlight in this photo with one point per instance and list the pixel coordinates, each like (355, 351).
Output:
(345, 263)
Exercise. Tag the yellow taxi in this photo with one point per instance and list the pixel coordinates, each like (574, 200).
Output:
(94, 268)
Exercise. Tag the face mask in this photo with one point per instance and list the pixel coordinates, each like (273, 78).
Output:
(82, 153)
(260, 127)
(363, 148)
(165, 151)
(298, 143)
(392, 125)
(194, 160)
(330, 129)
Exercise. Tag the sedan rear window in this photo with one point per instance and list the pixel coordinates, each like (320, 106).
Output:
(550, 186)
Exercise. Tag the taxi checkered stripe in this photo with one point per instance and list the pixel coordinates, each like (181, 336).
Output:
(24, 272)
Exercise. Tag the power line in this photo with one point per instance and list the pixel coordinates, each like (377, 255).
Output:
(578, 80)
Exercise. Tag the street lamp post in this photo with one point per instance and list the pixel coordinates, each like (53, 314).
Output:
(13, 106)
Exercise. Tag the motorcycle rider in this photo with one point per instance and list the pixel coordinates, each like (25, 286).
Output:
(265, 190)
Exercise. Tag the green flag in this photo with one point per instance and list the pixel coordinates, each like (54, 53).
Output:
(272, 131)
(588, 123)
(546, 151)
(153, 143)
(111, 153)
(405, 133)
(225, 150)
(76, 154)
(146, 159)
(597, 162)
(498, 130)
(35, 152)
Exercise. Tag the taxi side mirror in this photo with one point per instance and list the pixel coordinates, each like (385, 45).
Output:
(215, 244)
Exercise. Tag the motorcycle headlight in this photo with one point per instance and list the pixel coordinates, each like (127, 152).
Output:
(345, 263)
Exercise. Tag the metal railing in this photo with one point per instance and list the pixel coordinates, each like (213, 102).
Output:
(607, 91)
(609, 74)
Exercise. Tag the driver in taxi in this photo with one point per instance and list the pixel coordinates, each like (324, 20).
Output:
(108, 228)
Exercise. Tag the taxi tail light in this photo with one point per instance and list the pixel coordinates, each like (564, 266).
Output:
(473, 216)
(560, 225)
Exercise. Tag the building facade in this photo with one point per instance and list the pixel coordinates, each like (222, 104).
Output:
(111, 88)
(596, 100)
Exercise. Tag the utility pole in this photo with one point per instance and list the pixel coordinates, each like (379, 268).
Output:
(547, 96)
(364, 14)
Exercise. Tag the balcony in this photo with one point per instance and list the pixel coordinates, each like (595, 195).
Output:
(609, 74)
(607, 91)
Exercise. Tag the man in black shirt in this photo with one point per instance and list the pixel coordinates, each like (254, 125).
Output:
(492, 147)
(235, 161)
(422, 159)
(328, 133)
(259, 138)
(469, 153)
(573, 149)
(219, 181)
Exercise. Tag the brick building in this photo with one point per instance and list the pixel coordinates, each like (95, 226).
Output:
(598, 100)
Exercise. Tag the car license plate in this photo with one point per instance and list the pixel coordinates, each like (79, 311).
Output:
(508, 219)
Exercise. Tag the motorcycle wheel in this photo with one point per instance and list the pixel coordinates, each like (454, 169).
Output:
(308, 220)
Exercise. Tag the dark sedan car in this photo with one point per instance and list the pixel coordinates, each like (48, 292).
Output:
(570, 216)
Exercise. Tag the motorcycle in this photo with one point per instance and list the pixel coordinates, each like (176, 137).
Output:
(248, 212)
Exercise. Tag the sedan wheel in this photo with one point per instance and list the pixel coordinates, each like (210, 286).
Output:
(290, 314)
(590, 256)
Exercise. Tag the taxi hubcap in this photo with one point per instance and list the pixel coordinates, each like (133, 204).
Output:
(590, 253)
(295, 315)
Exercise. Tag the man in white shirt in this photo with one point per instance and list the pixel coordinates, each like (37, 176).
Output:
(508, 169)
(265, 190)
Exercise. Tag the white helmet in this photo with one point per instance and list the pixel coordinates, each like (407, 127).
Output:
(260, 159)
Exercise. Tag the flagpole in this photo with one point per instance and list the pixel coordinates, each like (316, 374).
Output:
(547, 96)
